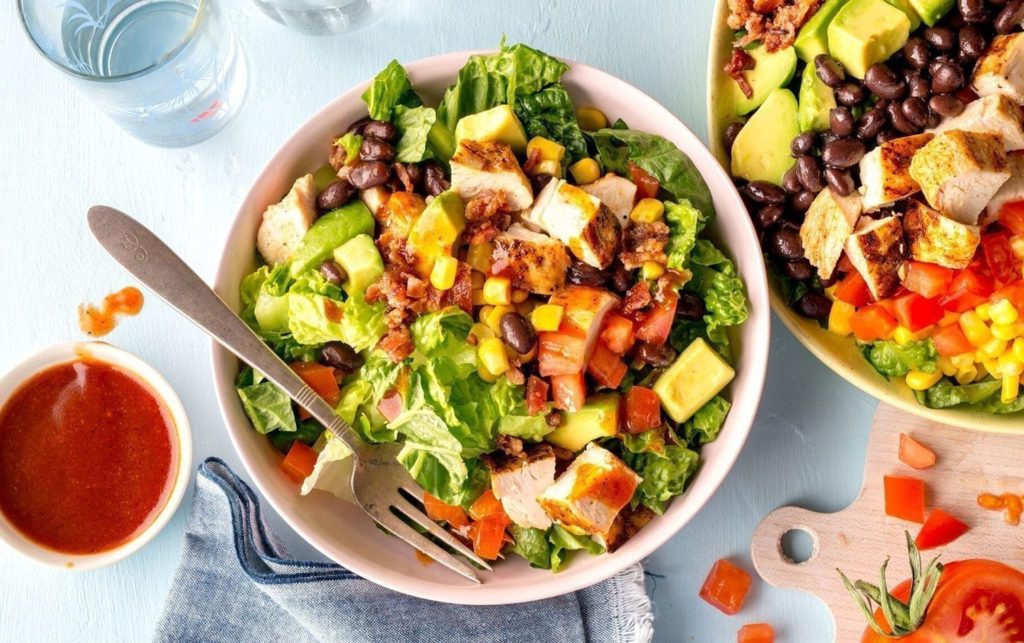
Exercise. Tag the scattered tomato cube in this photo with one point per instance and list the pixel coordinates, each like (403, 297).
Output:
(939, 529)
(904, 498)
(756, 633)
(726, 587)
(299, 462)
(914, 454)
(437, 510)
(486, 506)
(488, 536)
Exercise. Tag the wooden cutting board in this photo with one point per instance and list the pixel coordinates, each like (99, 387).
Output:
(859, 538)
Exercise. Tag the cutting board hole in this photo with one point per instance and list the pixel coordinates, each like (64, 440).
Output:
(797, 545)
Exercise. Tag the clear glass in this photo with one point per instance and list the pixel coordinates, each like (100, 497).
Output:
(170, 72)
(322, 17)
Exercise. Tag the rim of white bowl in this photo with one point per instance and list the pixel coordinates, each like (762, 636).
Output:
(742, 415)
(58, 354)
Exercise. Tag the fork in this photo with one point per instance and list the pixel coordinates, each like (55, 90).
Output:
(377, 477)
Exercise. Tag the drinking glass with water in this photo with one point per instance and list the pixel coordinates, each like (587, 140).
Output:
(322, 17)
(170, 72)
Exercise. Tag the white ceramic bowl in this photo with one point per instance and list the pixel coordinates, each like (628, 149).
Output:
(101, 351)
(341, 531)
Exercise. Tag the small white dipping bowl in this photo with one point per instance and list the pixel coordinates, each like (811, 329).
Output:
(101, 352)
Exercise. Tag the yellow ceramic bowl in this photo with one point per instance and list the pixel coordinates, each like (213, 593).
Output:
(838, 353)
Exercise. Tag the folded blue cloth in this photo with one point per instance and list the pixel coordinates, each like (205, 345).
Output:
(239, 585)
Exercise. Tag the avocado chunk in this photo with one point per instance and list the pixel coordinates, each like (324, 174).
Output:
(931, 11)
(436, 231)
(865, 32)
(816, 101)
(362, 263)
(496, 125)
(271, 312)
(770, 72)
(324, 176)
(812, 39)
(905, 7)
(697, 375)
(327, 233)
(599, 418)
(761, 151)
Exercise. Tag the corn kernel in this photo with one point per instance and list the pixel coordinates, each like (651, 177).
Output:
(494, 315)
(902, 335)
(1011, 389)
(963, 361)
(992, 366)
(920, 381)
(1018, 348)
(479, 256)
(647, 211)
(442, 276)
(484, 311)
(966, 375)
(1009, 365)
(1017, 247)
(546, 149)
(547, 317)
(554, 168)
(651, 270)
(1008, 331)
(994, 347)
(481, 331)
(946, 366)
(1002, 312)
(591, 119)
(519, 296)
(984, 311)
(498, 291)
(492, 355)
(486, 375)
(949, 319)
(839, 318)
(974, 328)
(478, 297)
(585, 171)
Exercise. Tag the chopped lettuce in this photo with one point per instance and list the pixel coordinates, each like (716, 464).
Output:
(350, 142)
(550, 113)
(651, 441)
(562, 542)
(664, 475)
(268, 407)
(388, 90)
(706, 423)
(333, 469)
(307, 433)
(532, 544)
(895, 360)
(982, 396)
(413, 124)
(715, 278)
(685, 222)
(315, 319)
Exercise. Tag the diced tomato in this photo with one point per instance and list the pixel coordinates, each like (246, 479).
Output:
(641, 410)
(605, 367)
(950, 340)
(1014, 293)
(320, 378)
(726, 587)
(940, 529)
(756, 633)
(536, 395)
(391, 405)
(927, 279)
(646, 185)
(657, 324)
(488, 536)
(853, 290)
(486, 506)
(617, 333)
(1011, 217)
(872, 323)
(568, 391)
(299, 462)
(917, 312)
(437, 510)
(561, 353)
(914, 454)
(904, 498)
(999, 257)
(969, 288)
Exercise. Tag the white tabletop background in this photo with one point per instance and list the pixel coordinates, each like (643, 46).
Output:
(60, 155)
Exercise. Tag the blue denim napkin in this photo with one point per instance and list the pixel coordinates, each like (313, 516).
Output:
(238, 584)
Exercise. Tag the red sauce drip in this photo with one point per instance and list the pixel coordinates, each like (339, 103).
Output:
(87, 457)
(613, 488)
(333, 311)
(100, 320)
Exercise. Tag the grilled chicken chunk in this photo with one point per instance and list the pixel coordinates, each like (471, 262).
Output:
(478, 167)
(1001, 69)
(577, 219)
(934, 238)
(885, 171)
(616, 192)
(625, 526)
(591, 493)
(827, 224)
(959, 172)
(285, 223)
(534, 261)
(1012, 190)
(993, 114)
(567, 350)
(876, 251)
(374, 198)
(518, 479)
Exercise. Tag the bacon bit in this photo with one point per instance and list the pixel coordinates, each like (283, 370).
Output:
(638, 298)
(644, 242)
(487, 214)
(774, 22)
(397, 344)
(1011, 505)
(97, 321)
(515, 375)
(739, 62)
(532, 160)
(416, 287)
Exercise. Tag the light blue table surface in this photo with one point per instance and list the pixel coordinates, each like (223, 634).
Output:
(59, 155)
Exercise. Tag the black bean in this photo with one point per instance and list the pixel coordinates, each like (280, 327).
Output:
(517, 332)
(829, 71)
(918, 86)
(840, 119)
(539, 181)
(690, 307)
(933, 120)
(809, 171)
(972, 43)
(784, 242)
(840, 181)
(883, 82)
(828, 136)
(433, 178)
(801, 201)
(657, 356)
(946, 105)
(850, 94)
(764, 192)
(916, 111)
(800, 269)
(871, 123)
(843, 152)
(357, 127)
(813, 305)
(887, 135)
(335, 195)
(942, 38)
(394, 184)
(381, 129)
(369, 174)
(340, 355)
(332, 272)
(583, 274)
(791, 181)
(622, 279)
(768, 216)
(899, 120)
(972, 10)
(1009, 17)
(916, 52)
(803, 144)
(731, 132)
(947, 77)
(376, 149)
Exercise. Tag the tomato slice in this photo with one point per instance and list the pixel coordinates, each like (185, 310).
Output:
(617, 333)
(950, 340)
(726, 587)
(536, 395)
(904, 498)
(756, 633)
(642, 409)
(914, 454)
(437, 510)
(1011, 217)
(561, 353)
(853, 290)
(656, 326)
(488, 536)
(917, 312)
(927, 279)
(999, 257)
(568, 391)
(939, 529)
(872, 323)
(605, 367)
(646, 185)
(968, 289)
(299, 463)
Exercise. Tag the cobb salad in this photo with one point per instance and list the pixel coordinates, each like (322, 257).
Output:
(519, 292)
(879, 147)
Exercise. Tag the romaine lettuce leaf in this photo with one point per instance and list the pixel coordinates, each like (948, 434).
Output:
(664, 476)
(685, 222)
(267, 406)
(563, 542)
(333, 469)
(533, 545)
(715, 278)
(358, 324)
(945, 394)
(308, 432)
(706, 423)
(550, 113)
(389, 89)
(893, 360)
